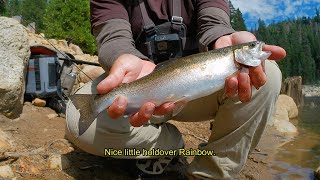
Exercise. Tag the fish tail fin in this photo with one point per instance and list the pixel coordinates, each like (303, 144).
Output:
(86, 105)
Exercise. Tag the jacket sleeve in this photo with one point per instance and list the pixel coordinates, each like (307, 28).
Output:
(213, 22)
(114, 38)
(112, 30)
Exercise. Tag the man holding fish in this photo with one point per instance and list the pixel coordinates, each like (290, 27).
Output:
(126, 110)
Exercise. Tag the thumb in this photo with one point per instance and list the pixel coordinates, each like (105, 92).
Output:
(114, 79)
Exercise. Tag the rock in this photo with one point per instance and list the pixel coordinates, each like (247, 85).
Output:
(31, 164)
(59, 162)
(53, 41)
(63, 43)
(285, 109)
(6, 172)
(280, 114)
(51, 116)
(27, 103)
(60, 146)
(287, 103)
(31, 27)
(317, 173)
(285, 127)
(17, 18)
(86, 57)
(75, 48)
(92, 71)
(14, 54)
(6, 144)
(39, 102)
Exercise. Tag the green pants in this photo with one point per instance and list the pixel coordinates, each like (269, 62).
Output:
(237, 128)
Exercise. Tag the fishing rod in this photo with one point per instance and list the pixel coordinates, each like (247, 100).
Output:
(80, 62)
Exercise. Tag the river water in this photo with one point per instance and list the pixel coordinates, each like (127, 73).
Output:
(298, 158)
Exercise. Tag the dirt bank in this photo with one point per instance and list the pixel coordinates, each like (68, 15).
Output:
(38, 140)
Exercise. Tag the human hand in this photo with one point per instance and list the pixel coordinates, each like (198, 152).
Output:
(128, 68)
(242, 82)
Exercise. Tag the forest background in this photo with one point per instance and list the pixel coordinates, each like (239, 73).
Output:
(59, 19)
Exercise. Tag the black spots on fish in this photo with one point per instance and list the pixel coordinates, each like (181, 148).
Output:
(223, 51)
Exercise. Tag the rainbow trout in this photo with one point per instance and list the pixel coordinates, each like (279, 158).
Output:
(180, 80)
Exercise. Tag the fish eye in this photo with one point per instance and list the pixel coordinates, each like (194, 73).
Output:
(252, 45)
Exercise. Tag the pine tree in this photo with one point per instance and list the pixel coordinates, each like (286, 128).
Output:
(240, 25)
(70, 19)
(32, 11)
(262, 32)
(301, 40)
(232, 12)
(307, 62)
(317, 17)
(236, 18)
(13, 8)
(3, 8)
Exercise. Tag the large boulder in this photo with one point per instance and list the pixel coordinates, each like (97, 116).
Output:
(90, 71)
(286, 109)
(14, 54)
(285, 127)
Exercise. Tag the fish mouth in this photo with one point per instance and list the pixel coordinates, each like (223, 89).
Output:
(261, 44)
(252, 55)
(263, 54)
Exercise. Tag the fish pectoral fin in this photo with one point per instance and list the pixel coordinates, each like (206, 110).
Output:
(179, 105)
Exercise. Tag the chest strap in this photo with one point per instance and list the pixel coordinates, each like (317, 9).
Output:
(176, 19)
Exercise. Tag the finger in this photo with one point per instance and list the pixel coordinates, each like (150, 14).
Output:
(277, 52)
(116, 75)
(257, 77)
(144, 114)
(164, 109)
(118, 107)
(244, 88)
(242, 37)
(223, 41)
(147, 68)
(110, 82)
(128, 66)
(231, 86)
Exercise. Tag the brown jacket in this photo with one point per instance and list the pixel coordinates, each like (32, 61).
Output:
(117, 23)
